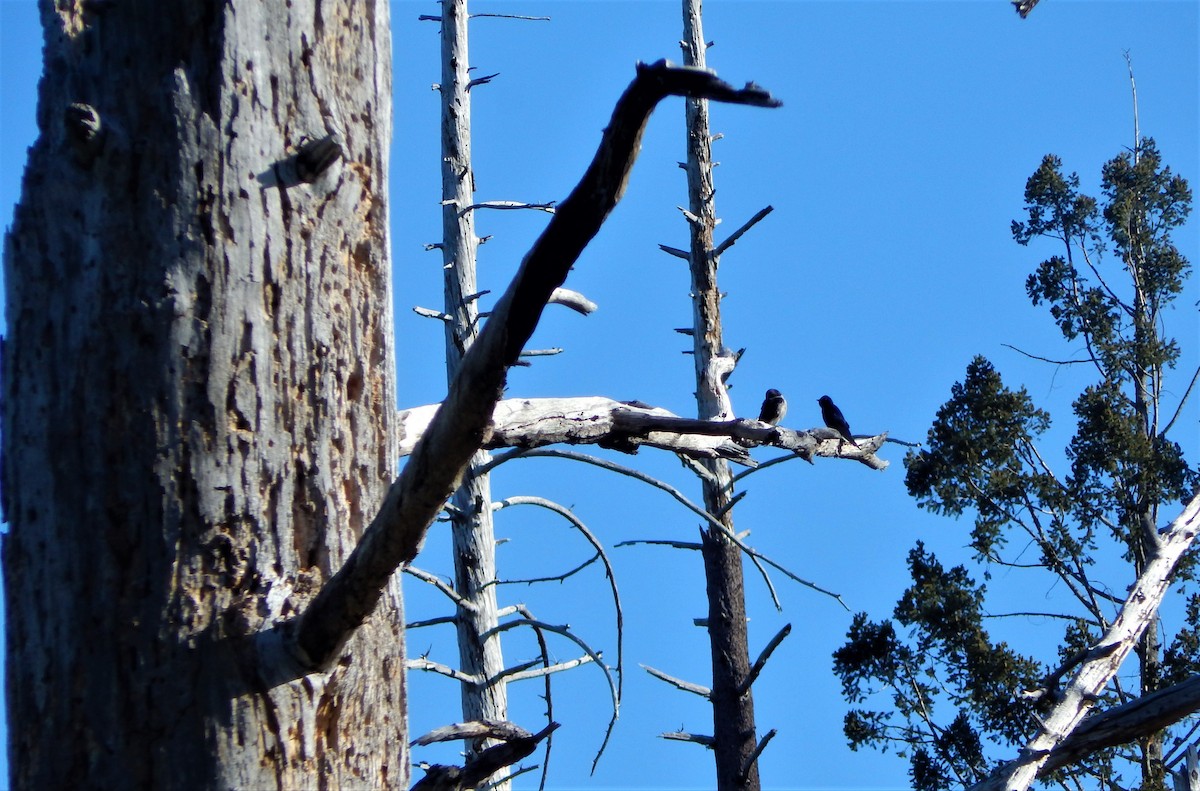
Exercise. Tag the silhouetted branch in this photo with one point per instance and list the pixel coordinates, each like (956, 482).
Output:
(761, 662)
(733, 237)
(515, 743)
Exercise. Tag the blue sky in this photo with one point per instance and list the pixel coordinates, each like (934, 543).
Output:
(895, 166)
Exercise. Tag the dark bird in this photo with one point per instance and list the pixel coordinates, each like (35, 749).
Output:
(834, 419)
(1024, 6)
(774, 407)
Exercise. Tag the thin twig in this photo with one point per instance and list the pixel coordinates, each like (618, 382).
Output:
(1047, 359)
(566, 632)
(511, 16)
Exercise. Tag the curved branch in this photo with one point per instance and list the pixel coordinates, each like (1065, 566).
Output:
(500, 458)
(567, 514)
(566, 632)
(1182, 401)
(315, 639)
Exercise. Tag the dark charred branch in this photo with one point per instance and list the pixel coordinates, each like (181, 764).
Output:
(515, 744)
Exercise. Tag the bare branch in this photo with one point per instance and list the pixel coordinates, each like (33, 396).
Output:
(511, 16)
(758, 748)
(510, 205)
(1047, 359)
(430, 313)
(566, 632)
(676, 544)
(733, 237)
(761, 662)
(520, 674)
(536, 422)
(440, 621)
(516, 743)
(694, 738)
(539, 353)
(686, 686)
(421, 663)
(435, 581)
(573, 300)
(1182, 401)
(1124, 724)
(569, 515)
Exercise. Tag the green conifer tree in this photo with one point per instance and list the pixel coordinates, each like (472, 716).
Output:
(954, 690)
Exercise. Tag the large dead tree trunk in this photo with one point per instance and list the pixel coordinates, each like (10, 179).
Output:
(199, 396)
(734, 736)
(472, 530)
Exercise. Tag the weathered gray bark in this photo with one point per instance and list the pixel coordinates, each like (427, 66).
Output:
(1127, 723)
(199, 397)
(472, 532)
(734, 734)
(627, 426)
(1105, 658)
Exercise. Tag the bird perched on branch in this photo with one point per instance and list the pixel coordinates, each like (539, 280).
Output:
(834, 419)
(774, 407)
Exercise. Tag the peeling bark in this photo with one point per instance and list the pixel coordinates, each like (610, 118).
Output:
(627, 426)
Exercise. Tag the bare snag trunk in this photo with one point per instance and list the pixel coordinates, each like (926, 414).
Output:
(199, 397)
(734, 732)
(472, 528)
